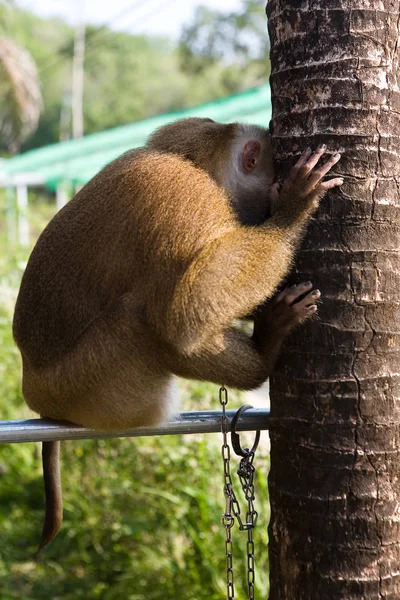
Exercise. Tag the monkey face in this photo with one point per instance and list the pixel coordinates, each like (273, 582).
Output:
(250, 175)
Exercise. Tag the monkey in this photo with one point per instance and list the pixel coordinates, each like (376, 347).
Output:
(141, 275)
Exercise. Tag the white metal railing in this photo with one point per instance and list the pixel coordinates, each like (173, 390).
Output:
(207, 421)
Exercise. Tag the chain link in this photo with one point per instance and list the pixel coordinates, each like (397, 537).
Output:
(246, 472)
(228, 519)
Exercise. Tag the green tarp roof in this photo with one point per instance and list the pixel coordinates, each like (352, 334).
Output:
(76, 161)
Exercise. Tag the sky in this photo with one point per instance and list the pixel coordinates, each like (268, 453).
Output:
(157, 17)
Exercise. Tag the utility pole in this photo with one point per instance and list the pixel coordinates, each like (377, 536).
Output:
(78, 73)
(65, 117)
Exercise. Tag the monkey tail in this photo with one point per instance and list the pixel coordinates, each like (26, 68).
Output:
(53, 492)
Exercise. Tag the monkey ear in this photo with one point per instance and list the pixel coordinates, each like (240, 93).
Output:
(251, 155)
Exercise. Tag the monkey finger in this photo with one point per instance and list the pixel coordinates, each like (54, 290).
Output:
(309, 300)
(322, 171)
(280, 296)
(299, 316)
(312, 161)
(314, 186)
(293, 293)
(299, 164)
(331, 183)
(306, 312)
(310, 310)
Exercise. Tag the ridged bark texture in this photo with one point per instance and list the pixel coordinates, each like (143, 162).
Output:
(335, 397)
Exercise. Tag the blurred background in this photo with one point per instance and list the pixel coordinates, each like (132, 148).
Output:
(80, 83)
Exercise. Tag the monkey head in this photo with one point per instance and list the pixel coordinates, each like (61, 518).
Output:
(248, 175)
(236, 155)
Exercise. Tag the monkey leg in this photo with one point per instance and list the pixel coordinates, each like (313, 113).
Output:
(233, 360)
(112, 379)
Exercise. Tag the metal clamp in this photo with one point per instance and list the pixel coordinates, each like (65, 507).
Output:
(235, 438)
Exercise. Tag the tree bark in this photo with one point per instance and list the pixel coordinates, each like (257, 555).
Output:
(335, 397)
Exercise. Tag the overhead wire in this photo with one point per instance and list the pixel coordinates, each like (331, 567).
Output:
(99, 38)
(124, 12)
(99, 34)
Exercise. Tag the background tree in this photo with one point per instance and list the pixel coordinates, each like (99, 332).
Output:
(45, 40)
(20, 96)
(233, 43)
(334, 481)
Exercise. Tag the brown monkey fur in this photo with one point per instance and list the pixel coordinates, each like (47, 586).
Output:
(143, 273)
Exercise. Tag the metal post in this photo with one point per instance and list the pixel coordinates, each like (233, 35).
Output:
(11, 214)
(61, 196)
(23, 223)
(78, 76)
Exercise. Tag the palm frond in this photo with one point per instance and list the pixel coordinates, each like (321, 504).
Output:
(20, 95)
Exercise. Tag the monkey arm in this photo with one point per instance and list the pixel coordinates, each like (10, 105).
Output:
(233, 360)
(230, 277)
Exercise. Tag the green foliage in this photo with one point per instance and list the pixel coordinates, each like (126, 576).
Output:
(236, 42)
(142, 516)
(142, 520)
(133, 77)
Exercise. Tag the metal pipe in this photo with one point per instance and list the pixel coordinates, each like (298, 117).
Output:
(206, 421)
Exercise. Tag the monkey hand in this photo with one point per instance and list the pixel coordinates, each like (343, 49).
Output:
(303, 189)
(287, 309)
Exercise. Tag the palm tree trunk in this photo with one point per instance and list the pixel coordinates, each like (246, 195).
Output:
(335, 396)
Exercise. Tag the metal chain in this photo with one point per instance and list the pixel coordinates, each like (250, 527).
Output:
(246, 472)
(228, 519)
